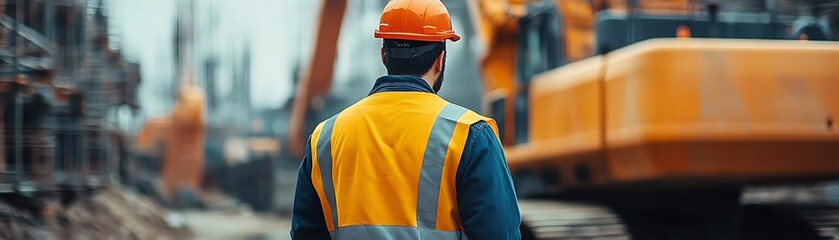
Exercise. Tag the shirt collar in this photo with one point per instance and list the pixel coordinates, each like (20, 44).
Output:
(401, 83)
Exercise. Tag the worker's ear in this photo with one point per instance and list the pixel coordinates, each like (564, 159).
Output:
(438, 63)
(383, 55)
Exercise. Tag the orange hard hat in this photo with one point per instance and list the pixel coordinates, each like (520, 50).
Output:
(416, 20)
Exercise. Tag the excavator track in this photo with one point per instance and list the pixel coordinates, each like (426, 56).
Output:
(556, 220)
(823, 219)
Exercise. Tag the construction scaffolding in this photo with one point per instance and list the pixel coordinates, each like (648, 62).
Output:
(60, 84)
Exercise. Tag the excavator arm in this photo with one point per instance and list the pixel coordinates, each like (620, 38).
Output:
(316, 77)
(496, 27)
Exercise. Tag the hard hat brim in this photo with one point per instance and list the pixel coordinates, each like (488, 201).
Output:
(417, 37)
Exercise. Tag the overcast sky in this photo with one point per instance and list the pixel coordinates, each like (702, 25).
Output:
(276, 30)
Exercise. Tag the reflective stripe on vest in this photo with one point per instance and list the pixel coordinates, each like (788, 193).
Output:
(324, 149)
(432, 165)
(393, 233)
(376, 206)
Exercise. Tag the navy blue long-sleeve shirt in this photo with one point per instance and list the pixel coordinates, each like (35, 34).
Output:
(486, 200)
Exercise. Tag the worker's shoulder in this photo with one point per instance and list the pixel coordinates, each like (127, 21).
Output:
(356, 109)
(477, 123)
(462, 115)
(480, 126)
(326, 123)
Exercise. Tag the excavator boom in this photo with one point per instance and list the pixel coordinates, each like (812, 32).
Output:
(316, 77)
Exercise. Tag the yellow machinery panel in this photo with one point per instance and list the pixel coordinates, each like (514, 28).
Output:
(723, 109)
(688, 110)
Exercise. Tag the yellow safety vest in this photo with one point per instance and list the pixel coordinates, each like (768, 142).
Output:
(385, 167)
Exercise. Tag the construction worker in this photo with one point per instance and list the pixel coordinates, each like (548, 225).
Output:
(403, 163)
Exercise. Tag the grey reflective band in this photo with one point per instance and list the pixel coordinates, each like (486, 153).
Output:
(324, 149)
(367, 232)
(432, 165)
(413, 52)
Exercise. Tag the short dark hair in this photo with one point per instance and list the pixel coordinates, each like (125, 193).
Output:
(418, 65)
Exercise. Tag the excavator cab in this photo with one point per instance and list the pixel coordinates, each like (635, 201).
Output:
(539, 49)
(730, 19)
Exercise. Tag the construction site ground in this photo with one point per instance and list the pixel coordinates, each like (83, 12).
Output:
(225, 217)
(220, 224)
(116, 213)
(109, 213)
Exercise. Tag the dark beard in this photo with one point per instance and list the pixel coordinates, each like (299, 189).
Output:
(439, 83)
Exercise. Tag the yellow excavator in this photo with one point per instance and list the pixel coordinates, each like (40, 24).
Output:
(661, 110)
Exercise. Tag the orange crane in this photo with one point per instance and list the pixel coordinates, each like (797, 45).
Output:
(613, 102)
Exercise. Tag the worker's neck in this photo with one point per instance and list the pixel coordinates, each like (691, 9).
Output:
(430, 78)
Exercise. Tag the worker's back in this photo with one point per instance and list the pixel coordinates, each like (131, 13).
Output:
(389, 164)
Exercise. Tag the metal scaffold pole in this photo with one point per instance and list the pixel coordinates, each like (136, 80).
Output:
(80, 61)
(49, 20)
(18, 140)
(18, 101)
